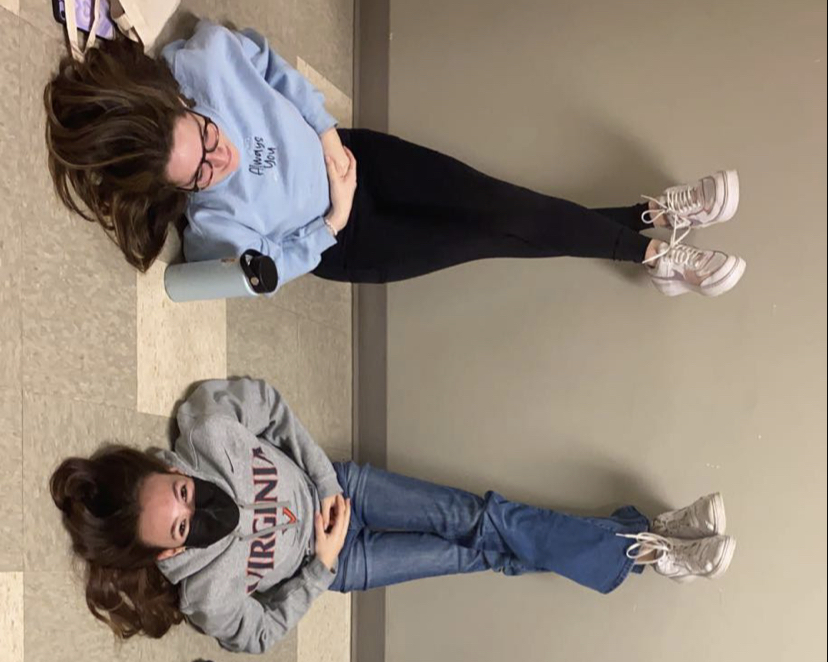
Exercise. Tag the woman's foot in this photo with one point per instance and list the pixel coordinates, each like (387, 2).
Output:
(710, 200)
(705, 517)
(683, 560)
(677, 269)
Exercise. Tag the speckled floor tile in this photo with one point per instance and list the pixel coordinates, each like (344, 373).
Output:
(178, 343)
(11, 480)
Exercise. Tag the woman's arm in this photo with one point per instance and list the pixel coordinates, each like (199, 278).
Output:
(286, 80)
(295, 254)
(261, 409)
(261, 620)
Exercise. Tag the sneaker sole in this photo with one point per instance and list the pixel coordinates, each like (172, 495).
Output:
(719, 517)
(731, 202)
(674, 288)
(727, 558)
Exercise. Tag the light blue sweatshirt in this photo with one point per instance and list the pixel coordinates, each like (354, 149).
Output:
(275, 201)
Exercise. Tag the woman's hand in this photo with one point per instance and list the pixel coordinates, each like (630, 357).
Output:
(343, 187)
(326, 506)
(330, 539)
(332, 146)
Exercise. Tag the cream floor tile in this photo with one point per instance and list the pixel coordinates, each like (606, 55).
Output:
(11, 617)
(178, 343)
(78, 300)
(53, 429)
(11, 481)
(263, 342)
(324, 301)
(11, 5)
(10, 337)
(337, 102)
(325, 631)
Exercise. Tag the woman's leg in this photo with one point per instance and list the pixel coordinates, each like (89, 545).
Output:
(371, 559)
(417, 210)
(586, 550)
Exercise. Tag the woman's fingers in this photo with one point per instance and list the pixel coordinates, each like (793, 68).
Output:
(318, 525)
(343, 517)
(352, 162)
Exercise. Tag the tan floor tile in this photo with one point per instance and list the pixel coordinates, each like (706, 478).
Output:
(337, 102)
(310, 364)
(10, 193)
(56, 612)
(172, 252)
(11, 5)
(55, 428)
(325, 632)
(324, 301)
(324, 402)
(178, 343)
(39, 14)
(11, 617)
(322, 31)
(183, 644)
(263, 342)
(267, 17)
(78, 302)
(60, 627)
(11, 481)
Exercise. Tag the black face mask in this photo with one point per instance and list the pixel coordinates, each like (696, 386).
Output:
(216, 515)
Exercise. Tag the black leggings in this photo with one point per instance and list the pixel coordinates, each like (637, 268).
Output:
(416, 211)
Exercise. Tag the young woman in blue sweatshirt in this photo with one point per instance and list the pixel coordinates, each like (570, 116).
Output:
(223, 132)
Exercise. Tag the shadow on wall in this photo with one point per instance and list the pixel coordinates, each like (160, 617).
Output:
(622, 488)
(622, 168)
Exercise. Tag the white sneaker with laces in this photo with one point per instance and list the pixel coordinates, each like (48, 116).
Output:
(705, 517)
(682, 560)
(679, 268)
(710, 200)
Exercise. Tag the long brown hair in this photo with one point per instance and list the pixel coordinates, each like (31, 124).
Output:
(109, 127)
(99, 500)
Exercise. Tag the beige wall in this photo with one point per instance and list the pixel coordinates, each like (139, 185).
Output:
(573, 383)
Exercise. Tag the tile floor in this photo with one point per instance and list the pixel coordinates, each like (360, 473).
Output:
(91, 352)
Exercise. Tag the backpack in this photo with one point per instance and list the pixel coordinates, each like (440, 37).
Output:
(140, 20)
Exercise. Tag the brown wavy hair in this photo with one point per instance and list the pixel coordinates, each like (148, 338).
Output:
(109, 127)
(98, 499)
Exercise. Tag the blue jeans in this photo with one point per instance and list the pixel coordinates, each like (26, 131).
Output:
(403, 528)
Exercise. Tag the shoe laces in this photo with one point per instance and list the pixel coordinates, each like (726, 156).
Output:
(645, 544)
(678, 203)
(683, 255)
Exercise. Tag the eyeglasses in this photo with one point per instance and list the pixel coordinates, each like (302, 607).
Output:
(209, 143)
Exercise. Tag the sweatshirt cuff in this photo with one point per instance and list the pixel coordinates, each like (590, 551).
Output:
(319, 573)
(317, 235)
(328, 486)
(321, 121)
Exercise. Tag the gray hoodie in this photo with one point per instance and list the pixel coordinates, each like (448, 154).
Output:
(250, 588)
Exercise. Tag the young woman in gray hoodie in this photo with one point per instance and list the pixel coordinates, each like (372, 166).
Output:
(246, 522)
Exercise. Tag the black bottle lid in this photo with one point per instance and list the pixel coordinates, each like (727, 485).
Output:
(260, 271)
